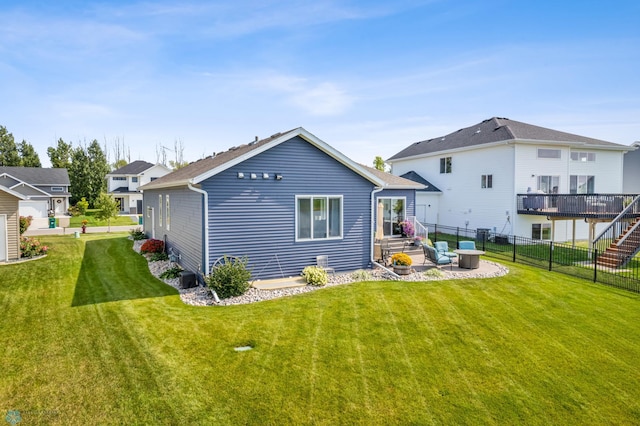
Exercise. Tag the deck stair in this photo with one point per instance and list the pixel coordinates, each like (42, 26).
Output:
(400, 245)
(622, 250)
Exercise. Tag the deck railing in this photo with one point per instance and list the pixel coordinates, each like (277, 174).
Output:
(576, 205)
(420, 229)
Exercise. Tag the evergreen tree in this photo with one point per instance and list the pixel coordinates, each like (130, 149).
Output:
(78, 169)
(9, 155)
(98, 169)
(60, 156)
(28, 155)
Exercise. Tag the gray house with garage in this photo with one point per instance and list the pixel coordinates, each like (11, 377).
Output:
(280, 202)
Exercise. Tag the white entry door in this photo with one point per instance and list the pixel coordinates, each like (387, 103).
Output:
(3, 238)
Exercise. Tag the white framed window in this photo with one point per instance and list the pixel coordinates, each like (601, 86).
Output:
(393, 213)
(167, 213)
(582, 184)
(583, 156)
(486, 181)
(445, 165)
(549, 153)
(541, 231)
(549, 184)
(134, 179)
(160, 210)
(318, 217)
(118, 178)
(57, 189)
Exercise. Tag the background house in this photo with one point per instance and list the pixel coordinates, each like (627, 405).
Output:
(9, 224)
(123, 183)
(481, 169)
(631, 175)
(280, 202)
(44, 189)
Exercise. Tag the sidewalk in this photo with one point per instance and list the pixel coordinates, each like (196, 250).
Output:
(72, 231)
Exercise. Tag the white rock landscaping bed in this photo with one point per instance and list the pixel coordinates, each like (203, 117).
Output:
(201, 296)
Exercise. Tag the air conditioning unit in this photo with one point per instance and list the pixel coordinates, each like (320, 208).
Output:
(187, 279)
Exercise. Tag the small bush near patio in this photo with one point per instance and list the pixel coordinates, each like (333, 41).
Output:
(25, 222)
(230, 278)
(361, 275)
(152, 246)
(137, 234)
(31, 247)
(315, 275)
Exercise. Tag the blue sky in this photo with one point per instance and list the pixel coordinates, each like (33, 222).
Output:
(369, 78)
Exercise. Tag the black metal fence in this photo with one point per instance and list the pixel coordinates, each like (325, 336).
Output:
(560, 257)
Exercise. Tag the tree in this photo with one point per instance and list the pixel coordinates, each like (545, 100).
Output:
(9, 155)
(121, 154)
(28, 155)
(107, 209)
(78, 169)
(99, 167)
(178, 149)
(60, 156)
(379, 164)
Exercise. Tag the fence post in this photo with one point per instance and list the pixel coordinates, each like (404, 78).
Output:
(457, 235)
(514, 248)
(550, 255)
(595, 265)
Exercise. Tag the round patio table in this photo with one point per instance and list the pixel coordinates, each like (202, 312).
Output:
(469, 259)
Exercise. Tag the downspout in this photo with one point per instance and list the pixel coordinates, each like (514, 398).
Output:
(373, 232)
(205, 219)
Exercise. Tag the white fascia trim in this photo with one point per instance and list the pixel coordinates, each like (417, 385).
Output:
(312, 139)
(149, 186)
(573, 144)
(450, 151)
(32, 187)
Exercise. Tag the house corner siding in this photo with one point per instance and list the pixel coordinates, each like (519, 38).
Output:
(255, 218)
(185, 233)
(9, 207)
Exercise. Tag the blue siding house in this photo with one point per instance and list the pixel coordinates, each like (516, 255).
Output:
(280, 202)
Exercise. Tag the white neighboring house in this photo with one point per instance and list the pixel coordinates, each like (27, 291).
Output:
(485, 171)
(631, 177)
(123, 184)
(46, 190)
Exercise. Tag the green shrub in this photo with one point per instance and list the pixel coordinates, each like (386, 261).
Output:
(173, 272)
(25, 222)
(82, 205)
(137, 234)
(155, 257)
(361, 275)
(230, 278)
(434, 272)
(152, 246)
(315, 275)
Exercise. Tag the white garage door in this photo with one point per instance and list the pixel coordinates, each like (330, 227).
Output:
(34, 208)
(3, 237)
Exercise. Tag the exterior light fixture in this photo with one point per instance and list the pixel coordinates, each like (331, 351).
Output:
(254, 176)
(265, 176)
(278, 176)
(240, 175)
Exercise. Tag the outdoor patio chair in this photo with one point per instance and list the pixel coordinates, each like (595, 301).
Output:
(435, 257)
(323, 262)
(467, 245)
(443, 248)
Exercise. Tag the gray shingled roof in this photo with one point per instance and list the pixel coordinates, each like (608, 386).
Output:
(498, 130)
(394, 181)
(38, 175)
(134, 168)
(200, 167)
(414, 176)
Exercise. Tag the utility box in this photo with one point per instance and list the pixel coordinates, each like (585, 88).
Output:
(52, 222)
(187, 279)
(482, 234)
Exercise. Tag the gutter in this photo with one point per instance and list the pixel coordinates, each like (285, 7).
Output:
(373, 232)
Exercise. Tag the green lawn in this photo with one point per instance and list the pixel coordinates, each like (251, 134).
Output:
(88, 336)
(76, 221)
